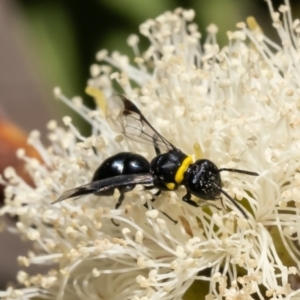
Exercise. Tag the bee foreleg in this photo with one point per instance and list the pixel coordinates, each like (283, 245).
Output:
(187, 199)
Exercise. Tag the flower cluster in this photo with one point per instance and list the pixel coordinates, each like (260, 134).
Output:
(241, 104)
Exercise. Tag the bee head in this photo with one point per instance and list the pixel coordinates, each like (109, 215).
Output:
(203, 179)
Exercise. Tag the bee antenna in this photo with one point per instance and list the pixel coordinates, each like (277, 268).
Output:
(232, 201)
(239, 171)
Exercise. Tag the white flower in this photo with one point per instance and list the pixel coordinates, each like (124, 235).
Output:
(241, 104)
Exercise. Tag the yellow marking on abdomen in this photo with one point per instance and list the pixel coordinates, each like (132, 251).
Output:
(170, 185)
(180, 173)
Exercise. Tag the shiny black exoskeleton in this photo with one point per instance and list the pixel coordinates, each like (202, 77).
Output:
(165, 166)
(168, 170)
(123, 163)
(201, 179)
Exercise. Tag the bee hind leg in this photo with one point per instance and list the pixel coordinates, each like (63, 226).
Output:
(165, 214)
(120, 200)
(187, 199)
(156, 194)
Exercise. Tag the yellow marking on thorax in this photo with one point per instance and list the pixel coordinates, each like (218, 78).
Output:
(180, 173)
(170, 185)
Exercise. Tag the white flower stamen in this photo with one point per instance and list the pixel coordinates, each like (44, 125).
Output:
(240, 103)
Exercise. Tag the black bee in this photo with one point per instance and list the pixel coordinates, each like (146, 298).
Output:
(168, 170)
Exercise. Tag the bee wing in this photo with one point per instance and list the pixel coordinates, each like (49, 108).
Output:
(75, 192)
(124, 117)
(105, 185)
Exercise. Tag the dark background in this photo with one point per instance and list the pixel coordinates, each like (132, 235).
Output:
(47, 43)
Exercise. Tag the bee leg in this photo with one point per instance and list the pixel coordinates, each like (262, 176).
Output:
(166, 215)
(120, 200)
(155, 194)
(171, 219)
(187, 199)
(222, 202)
(147, 206)
(113, 221)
